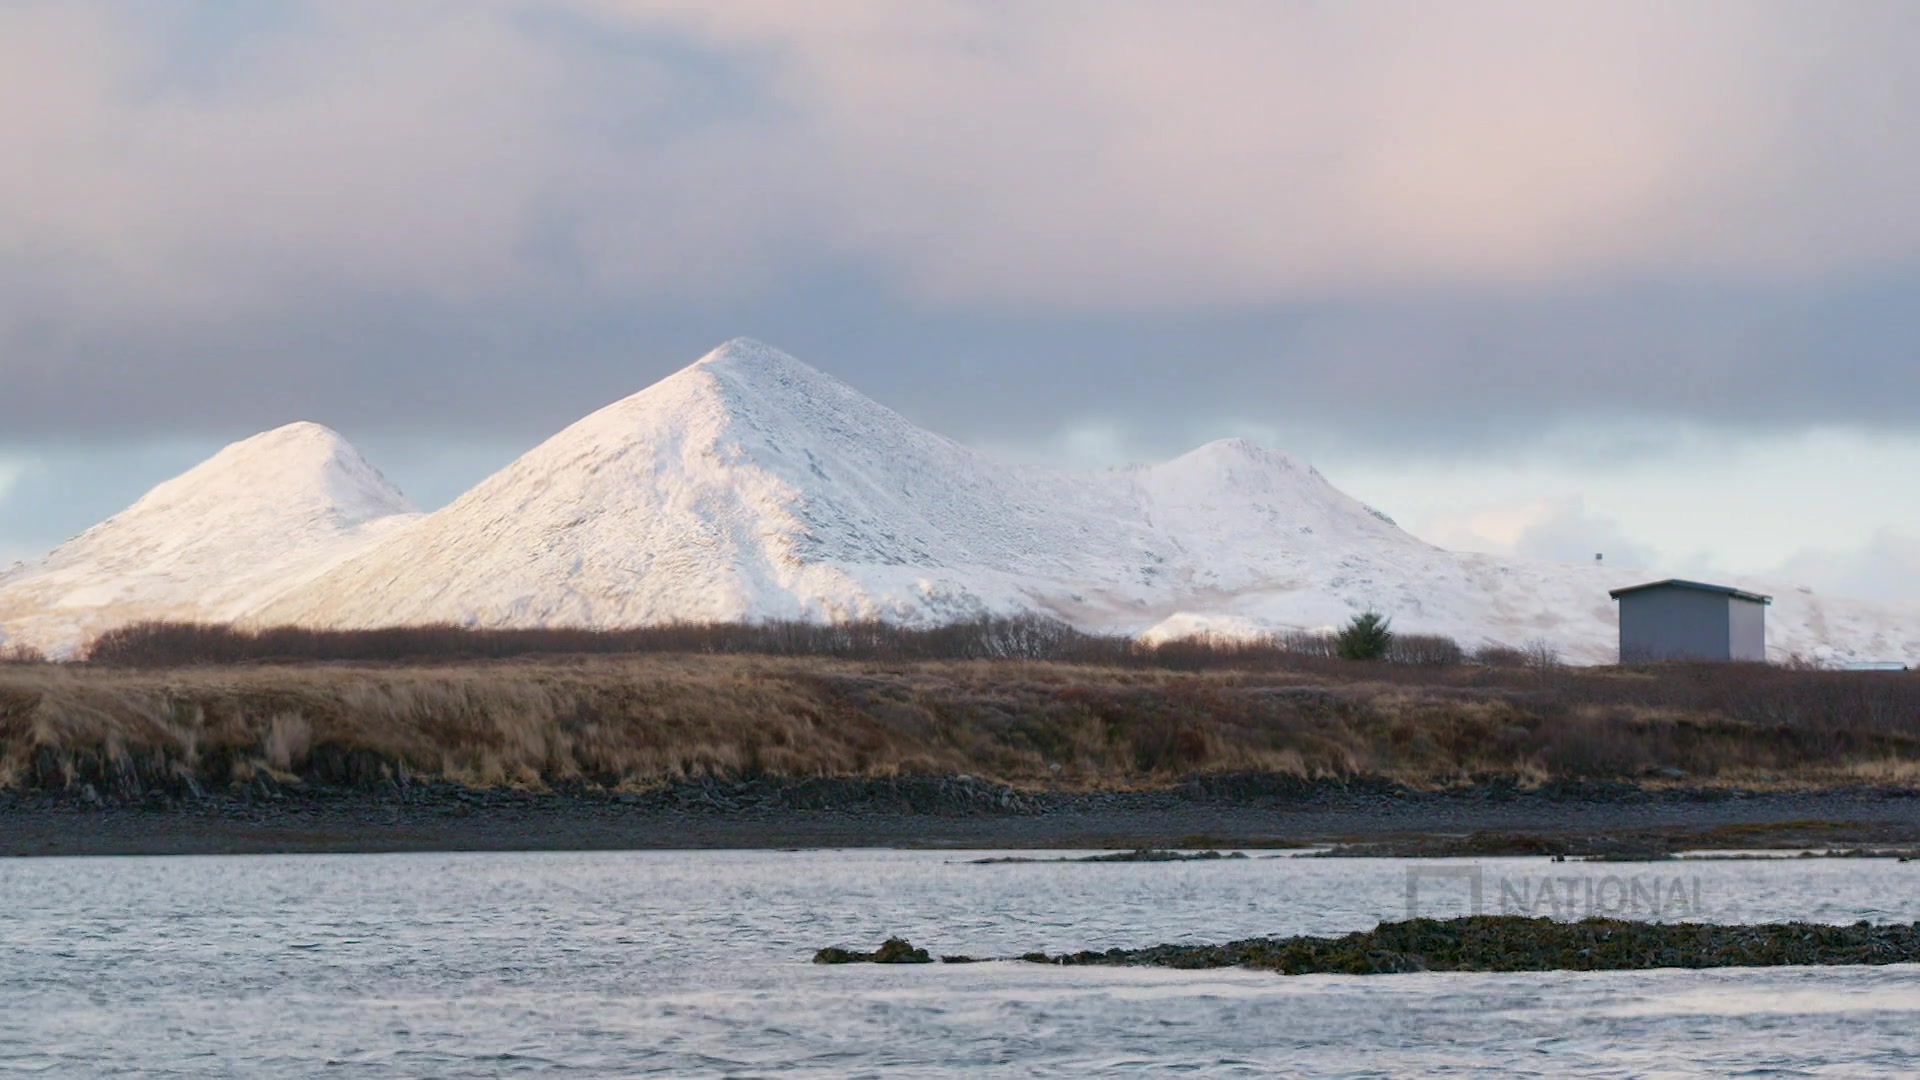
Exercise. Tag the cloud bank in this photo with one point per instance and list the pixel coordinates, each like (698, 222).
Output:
(1499, 202)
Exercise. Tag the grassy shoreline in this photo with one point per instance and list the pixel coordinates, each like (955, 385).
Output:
(639, 722)
(657, 751)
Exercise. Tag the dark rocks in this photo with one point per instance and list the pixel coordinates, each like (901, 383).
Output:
(148, 778)
(1138, 855)
(946, 796)
(84, 798)
(893, 951)
(1517, 943)
(1492, 943)
(351, 767)
(1154, 855)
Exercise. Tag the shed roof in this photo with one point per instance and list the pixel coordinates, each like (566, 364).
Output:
(1701, 586)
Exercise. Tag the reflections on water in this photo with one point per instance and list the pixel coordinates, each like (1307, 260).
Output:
(696, 962)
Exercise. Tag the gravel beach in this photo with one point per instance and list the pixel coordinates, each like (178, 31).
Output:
(1609, 820)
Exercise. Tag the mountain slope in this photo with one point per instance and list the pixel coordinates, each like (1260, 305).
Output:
(750, 486)
(746, 486)
(215, 542)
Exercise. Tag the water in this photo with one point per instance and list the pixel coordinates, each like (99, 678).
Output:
(696, 963)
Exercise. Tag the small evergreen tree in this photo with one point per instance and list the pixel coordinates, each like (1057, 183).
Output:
(1367, 637)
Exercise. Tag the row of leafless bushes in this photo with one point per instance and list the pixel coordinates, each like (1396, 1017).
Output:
(21, 654)
(647, 719)
(160, 644)
(164, 644)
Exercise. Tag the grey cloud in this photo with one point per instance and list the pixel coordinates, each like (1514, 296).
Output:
(495, 216)
(1458, 375)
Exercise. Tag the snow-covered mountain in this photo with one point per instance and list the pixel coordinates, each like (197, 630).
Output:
(214, 543)
(751, 486)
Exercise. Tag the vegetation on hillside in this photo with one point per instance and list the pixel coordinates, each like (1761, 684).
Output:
(165, 644)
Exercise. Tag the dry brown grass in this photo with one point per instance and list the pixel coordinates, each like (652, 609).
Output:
(645, 720)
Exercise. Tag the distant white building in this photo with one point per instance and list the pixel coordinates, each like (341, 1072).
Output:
(1691, 620)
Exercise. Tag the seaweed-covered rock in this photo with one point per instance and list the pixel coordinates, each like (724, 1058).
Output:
(1518, 943)
(892, 951)
(1138, 855)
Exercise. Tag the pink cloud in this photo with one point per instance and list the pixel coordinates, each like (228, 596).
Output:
(1061, 156)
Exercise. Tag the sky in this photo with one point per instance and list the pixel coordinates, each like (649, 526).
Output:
(1545, 280)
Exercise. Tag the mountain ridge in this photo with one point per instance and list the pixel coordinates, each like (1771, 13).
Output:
(750, 486)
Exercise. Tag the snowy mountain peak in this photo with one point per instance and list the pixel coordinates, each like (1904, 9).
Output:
(1243, 471)
(1241, 452)
(746, 355)
(761, 388)
(751, 371)
(301, 468)
(262, 515)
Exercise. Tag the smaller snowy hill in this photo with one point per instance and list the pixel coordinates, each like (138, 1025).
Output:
(215, 542)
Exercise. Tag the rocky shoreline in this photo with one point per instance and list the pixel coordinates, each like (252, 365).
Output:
(1491, 943)
(381, 811)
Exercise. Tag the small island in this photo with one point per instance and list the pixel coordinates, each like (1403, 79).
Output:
(1495, 943)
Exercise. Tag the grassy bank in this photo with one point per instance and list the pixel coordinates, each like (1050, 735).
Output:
(637, 721)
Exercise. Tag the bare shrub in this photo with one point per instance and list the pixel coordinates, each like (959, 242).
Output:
(1426, 649)
(163, 644)
(1306, 643)
(1495, 654)
(1541, 655)
(21, 653)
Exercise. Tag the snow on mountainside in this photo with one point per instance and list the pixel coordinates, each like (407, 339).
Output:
(751, 486)
(214, 543)
(745, 486)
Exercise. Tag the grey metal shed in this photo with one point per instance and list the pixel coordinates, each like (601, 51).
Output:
(1691, 620)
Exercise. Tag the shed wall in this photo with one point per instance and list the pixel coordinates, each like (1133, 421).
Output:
(1748, 621)
(1674, 624)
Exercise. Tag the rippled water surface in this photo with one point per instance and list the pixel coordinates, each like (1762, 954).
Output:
(692, 963)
